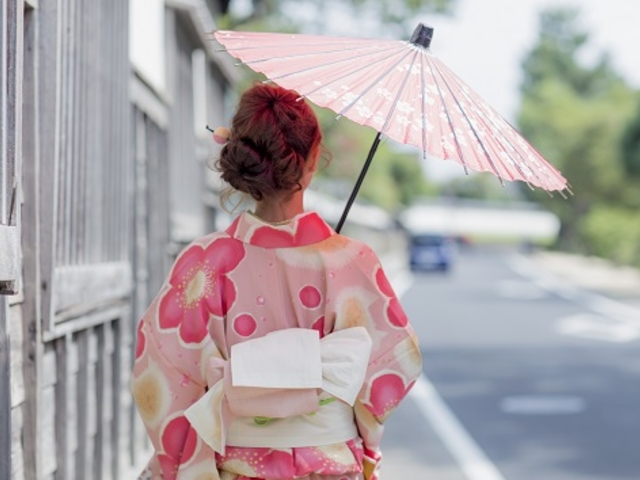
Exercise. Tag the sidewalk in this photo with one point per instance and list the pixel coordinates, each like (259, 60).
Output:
(594, 274)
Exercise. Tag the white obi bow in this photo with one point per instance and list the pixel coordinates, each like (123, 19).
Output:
(277, 376)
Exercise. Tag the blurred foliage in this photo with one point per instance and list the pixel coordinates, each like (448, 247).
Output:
(614, 233)
(631, 145)
(479, 186)
(556, 55)
(394, 18)
(395, 177)
(577, 115)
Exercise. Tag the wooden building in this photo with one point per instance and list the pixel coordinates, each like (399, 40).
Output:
(110, 179)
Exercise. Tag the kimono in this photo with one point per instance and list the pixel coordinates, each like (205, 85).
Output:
(254, 285)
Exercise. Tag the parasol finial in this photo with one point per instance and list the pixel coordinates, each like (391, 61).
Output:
(422, 36)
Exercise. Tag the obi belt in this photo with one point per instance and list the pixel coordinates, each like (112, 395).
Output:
(287, 389)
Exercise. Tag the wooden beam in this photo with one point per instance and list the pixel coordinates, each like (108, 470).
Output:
(149, 101)
(49, 37)
(81, 320)
(89, 286)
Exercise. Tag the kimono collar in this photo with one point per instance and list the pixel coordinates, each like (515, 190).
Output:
(304, 229)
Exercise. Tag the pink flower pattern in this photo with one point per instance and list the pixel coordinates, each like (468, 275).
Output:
(221, 291)
(200, 286)
(387, 390)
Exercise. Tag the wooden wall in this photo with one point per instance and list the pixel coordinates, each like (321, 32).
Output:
(110, 187)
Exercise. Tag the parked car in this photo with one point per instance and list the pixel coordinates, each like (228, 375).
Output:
(431, 252)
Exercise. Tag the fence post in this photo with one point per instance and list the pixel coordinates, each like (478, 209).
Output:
(5, 394)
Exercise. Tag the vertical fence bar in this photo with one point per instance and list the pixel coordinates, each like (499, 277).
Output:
(62, 406)
(77, 131)
(66, 107)
(5, 393)
(116, 407)
(82, 394)
(9, 70)
(99, 389)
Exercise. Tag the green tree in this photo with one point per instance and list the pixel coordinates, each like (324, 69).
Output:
(479, 186)
(631, 146)
(613, 232)
(391, 17)
(556, 55)
(575, 115)
(395, 177)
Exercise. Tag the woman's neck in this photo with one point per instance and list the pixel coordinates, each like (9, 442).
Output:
(280, 211)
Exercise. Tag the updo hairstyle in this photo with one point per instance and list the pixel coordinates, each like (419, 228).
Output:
(272, 134)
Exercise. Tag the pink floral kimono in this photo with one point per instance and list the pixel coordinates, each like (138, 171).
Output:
(272, 352)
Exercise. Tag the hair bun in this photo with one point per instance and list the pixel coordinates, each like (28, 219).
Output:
(272, 136)
(243, 165)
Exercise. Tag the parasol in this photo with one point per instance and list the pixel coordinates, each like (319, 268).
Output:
(403, 91)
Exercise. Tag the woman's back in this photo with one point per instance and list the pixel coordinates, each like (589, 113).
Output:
(274, 349)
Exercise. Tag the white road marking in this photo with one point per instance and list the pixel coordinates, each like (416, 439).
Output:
(471, 459)
(543, 404)
(615, 321)
(596, 327)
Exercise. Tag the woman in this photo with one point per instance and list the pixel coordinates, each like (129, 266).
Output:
(276, 348)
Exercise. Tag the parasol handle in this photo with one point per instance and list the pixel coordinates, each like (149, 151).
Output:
(365, 167)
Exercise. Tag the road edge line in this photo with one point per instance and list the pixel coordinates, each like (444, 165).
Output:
(596, 302)
(469, 456)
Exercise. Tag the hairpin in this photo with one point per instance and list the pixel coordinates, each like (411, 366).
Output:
(220, 134)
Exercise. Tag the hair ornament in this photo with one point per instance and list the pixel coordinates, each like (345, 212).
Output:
(220, 134)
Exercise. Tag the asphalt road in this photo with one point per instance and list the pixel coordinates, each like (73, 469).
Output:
(537, 380)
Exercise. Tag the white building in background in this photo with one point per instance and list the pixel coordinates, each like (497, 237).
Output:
(484, 221)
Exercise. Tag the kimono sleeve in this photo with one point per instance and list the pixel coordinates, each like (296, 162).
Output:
(167, 380)
(394, 365)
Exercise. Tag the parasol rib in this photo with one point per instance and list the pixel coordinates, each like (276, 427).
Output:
(341, 77)
(424, 109)
(449, 121)
(350, 72)
(490, 115)
(314, 42)
(473, 130)
(504, 140)
(370, 50)
(400, 90)
(373, 149)
(371, 85)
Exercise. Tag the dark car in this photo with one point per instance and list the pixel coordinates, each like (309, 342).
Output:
(431, 252)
